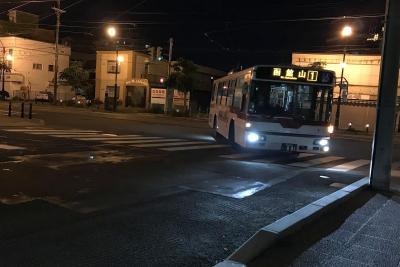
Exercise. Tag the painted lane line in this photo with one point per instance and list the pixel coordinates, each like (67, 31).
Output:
(171, 144)
(395, 173)
(238, 156)
(193, 147)
(300, 156)
(348, 166)
(305, 155)
(133, 139)
(152, 141)
(10, 147)
(314, 162)
(98, 138)
(50, 130)
(72, 135)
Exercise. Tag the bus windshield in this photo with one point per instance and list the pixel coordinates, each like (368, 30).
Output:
(308, 103)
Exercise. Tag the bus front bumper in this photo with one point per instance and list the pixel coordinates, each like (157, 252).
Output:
(287, 143)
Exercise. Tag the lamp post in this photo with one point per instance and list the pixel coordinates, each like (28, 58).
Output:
(347, 31)
(112, 33)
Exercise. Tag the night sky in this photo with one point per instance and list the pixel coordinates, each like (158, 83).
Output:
(221, 34)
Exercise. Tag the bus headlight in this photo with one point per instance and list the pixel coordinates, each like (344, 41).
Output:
(331, 129)
(253, 137)
(325, 149)
(323, 142)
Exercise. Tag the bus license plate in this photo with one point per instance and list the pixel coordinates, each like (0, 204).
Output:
(289, 147)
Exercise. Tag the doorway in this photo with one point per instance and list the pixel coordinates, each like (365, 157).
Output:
(135, 96)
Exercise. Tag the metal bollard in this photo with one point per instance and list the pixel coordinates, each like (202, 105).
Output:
(9, 109)
(30, 111)
(22, 109)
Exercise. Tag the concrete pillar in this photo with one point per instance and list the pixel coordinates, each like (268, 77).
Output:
(383, 140)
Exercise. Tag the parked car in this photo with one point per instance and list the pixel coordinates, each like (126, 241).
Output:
(44, 96)
(79, 99)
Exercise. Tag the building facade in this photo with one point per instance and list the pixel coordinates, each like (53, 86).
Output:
(138, 74)
(32, 65)
(361, 73)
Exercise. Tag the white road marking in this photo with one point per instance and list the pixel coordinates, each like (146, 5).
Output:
(348, 166)
(10, 147)
(143, 140)
(395, 173)
(45, 131)
(133, 139)
(109, 138)
(171, 144)
(238, 156)
(74, 135)
(300, 156)
(314, 162)
(61, 132)
(158, 142)
(305, 155)
(193, 147)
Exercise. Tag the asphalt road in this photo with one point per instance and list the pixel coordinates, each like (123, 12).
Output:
(92, 189)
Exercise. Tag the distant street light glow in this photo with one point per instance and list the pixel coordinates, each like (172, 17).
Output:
(120, 59)
(347, 31)
(112, 32)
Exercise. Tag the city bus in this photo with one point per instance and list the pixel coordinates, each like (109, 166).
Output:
(286, 108)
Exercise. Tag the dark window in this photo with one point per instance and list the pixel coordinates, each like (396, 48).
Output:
(112, 66)
(51, 68)
(37, 66)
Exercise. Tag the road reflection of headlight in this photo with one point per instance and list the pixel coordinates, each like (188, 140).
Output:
(253, 137)
(323, 142)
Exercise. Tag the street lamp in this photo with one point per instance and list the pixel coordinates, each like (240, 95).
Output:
(346, 32)
(112, 33)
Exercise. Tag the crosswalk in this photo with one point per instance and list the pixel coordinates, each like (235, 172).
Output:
(309, 160)
(128, 140)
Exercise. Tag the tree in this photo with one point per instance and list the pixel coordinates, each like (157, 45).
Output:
(76, 77)
(182, 77)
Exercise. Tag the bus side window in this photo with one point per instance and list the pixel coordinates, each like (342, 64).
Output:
(214, 92)
(244, 97)
(243, 104)
(219, 93)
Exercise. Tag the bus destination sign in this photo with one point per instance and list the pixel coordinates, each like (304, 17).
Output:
(295, 74)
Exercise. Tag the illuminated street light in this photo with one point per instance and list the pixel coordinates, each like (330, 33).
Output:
(9, 57)
(120, 59)
(347, 31)
(111, 31)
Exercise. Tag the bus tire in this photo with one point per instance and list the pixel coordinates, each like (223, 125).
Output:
(231, 137)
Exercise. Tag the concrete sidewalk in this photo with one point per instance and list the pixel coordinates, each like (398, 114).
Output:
(151, 118)
(363, 231)
(15, 121)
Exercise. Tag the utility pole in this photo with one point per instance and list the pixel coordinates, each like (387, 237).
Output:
(3, 66)
(58, 12)
(170, 92)
(382, 149)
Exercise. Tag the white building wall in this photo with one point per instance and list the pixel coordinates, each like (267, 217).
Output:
(361, 71)
(25, 54)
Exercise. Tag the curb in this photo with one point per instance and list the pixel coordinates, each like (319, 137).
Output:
(268, 235)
